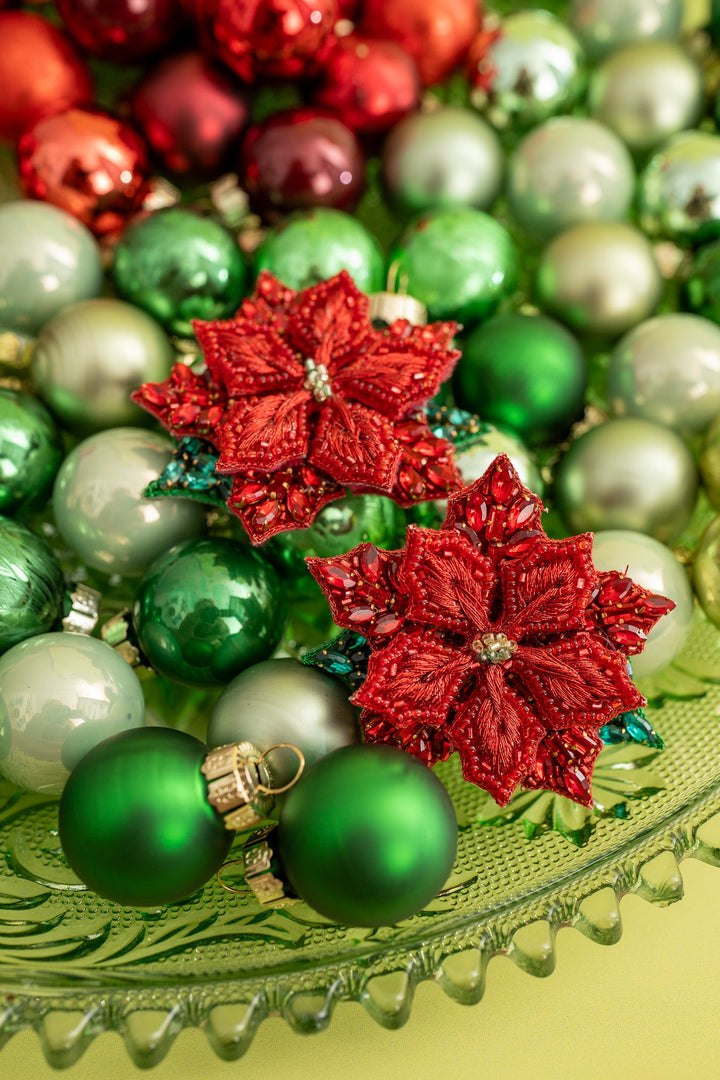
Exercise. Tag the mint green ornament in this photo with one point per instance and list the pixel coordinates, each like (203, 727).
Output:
(679, 189)
(31, 584)
(30, 451)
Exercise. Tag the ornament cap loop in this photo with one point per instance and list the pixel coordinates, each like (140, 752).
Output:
(301, 767)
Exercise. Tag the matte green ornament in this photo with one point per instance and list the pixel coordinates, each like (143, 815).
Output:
(368, 836)
(31, 584)
(208, 608)
(311, 246)
(679, 189)
(179, 266)
(524, 372)
(30, 451)
(135, 824)
(459, 262)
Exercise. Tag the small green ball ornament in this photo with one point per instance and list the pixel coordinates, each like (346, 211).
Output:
(30, 451)
(347, 522)
(459, 262)
(178, 266)
(524, 372)
(368, 836)
(135, 824)
(710, 463)
(208, 608)
(679, 189)
(309, 247)
(31, 584)
(706, 571)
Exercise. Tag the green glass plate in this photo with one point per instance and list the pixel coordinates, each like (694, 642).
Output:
(73, 965)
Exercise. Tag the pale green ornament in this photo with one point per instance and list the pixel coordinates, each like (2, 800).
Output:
(474, 456)
(706, 571)
(606, 25)
(710, 463)
(679, 189)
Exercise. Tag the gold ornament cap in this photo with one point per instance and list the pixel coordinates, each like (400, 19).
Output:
(240, 783)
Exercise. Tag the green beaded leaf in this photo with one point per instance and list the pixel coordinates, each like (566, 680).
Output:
(191, 474)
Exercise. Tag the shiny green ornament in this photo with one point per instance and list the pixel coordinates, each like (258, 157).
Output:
(701, 291)
(706, 571)
(208, 608)
(309, 247)
(710, 463)
(30, 451)
(135, 824)
(606, 25)
(459, 262)
(179, 266)
(368, 836)
(523, 372)
(347, 522)
(31, 584)
(679, 189)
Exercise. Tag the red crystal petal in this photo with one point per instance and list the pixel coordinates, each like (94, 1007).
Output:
(267, 505)
(497, 507)
(564, 764)
(364, 578)
(625, 611)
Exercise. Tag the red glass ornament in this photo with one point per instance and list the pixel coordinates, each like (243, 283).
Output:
(121, 30)
(299, 159)
(436, 33)
(191, 114)
(40, 73)
(369, 82)
(88, 163)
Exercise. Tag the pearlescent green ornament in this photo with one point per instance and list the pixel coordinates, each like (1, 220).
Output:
(459, 262)
(48, 260)
(627, 474)
(668, 369)
(679, 189)
(30, 451)
(208, 608)
(31, 584)
(368, 836)
(347, 522)
(524, 372)
(655, 567)
(473, 457)
(61, 695)
(647, 92)
(600, 278)
(283, 701)
(100, 508)
(447, 157)
(710, 463)
(567, 171)
(606, 25)
(179, 266)
(311, 246)
(91, 356)
(135, 824)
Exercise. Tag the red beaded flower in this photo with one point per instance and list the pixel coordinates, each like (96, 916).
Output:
(491, 639)
(304, 399)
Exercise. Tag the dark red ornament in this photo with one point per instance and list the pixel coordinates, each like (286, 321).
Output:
(436, 33)
(122, 30)
(304, 399)
(299, 159)
(88, 163)
(40, 73)
(191, 113)
(491, 639)
(370, 83)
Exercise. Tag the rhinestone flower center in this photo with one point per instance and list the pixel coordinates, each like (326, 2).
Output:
(493, 648)
(317, 380)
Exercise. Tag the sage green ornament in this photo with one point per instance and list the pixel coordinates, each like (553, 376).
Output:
(61, 695)
(208, 608)
(48, 260)
(701, 290)
(367, 836)
(606, 25)
(679, 189)
(100, 508)
(710, 463)
(599, 278)
(706, 571)
(178, 266)
(474, 456)
(135, 824)
(308, 247)
(31, 584)
(523, 372)
(89, 359)
(459, 262)
(628, 473)
(667, 369)
(30, 451)
(569, 170)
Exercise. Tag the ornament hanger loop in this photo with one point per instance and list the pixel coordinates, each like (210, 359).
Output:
(219, 874)
(296, 777)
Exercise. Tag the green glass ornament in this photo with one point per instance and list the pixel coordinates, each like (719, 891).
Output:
(524, 372)
(208, 608)
(347, 522)
(311, 246)
(459, 262)
(710, 463)
(706, 571)
(30, 451)
(135, 824)
(679, 189)
(179, 266)
(31, 584)
(368, 836)
(606, 25)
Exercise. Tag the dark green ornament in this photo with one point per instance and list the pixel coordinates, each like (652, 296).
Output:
(347, 522)
(135, 824)
(31, 584)
(208, 608)
(30, 451)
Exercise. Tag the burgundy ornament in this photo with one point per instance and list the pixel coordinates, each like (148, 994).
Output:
(122, 30)
(299, 159)
(88, 163)
(436, 33)
(191, 113)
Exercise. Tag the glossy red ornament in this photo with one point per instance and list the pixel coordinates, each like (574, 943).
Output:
(122, 30)
(40, 73)
(192, 114)
(436, 33)
(301, 158)
(370, 83)
(87, 163)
